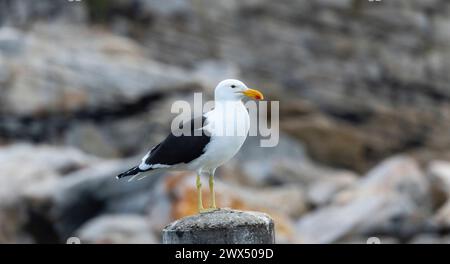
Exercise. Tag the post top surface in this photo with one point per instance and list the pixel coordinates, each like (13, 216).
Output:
(219, 219)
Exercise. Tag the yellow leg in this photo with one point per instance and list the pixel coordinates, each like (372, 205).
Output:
(199, 193)
(212, 202)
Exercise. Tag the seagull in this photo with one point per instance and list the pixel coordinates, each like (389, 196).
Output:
(212, 139)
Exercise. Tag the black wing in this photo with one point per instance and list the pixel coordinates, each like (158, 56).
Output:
(175, 149)
(180, 149)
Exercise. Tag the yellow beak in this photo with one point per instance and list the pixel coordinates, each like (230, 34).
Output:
(255, 94)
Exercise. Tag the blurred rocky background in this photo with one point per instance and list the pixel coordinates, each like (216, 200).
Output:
(86, 88)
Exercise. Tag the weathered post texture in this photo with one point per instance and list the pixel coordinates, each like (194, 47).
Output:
(222, 226)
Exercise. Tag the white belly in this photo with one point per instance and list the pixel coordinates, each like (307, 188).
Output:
(221, 150)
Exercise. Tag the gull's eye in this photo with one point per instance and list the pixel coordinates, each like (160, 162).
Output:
(233, 86)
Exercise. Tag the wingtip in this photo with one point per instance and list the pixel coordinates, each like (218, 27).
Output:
(131, 172)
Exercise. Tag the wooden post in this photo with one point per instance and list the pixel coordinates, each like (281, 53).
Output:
(222, 226)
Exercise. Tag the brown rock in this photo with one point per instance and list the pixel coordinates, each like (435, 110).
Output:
(281, 203)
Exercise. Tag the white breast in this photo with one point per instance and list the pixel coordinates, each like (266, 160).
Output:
(228, 124)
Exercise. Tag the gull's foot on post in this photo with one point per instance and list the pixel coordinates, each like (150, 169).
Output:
(207, 210)
(199, 195)
(212, 202)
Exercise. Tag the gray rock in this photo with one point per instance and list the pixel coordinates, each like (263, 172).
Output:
(406, 191)
(11, 41)
(439, 172)
(117, 229)
(166, 8)
(106, 71)
(399, 174)
(426, 239)
(392, 198)
(84, 194)
(89, 138)
(211, 72)
(85, 94)
(59, 189)
(442, 216)
(26, 170)
(322, 191)
(25, 166)
(329, 224)
(370, 240)
(24, 12)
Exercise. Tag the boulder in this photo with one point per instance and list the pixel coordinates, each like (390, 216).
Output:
(439, 172)
(87, 193)
(98, 92)
(392, 198)
(23, 13)
(26, 169)
(59, 189)
(106, 72)
(323, 190)
(430, 239)
(117, 229)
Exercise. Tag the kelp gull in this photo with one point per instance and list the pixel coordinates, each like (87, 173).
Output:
(223, 131)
